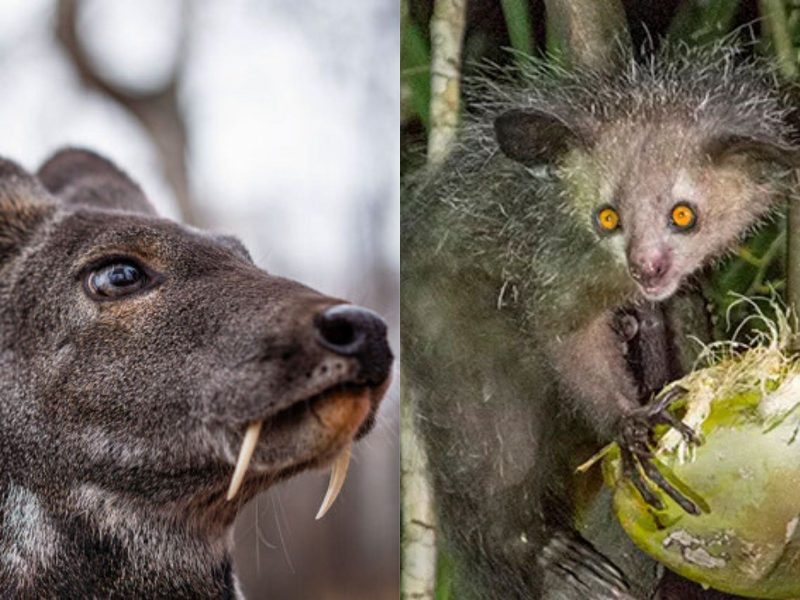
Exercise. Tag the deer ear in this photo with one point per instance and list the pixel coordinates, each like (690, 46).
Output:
(534, 137)
(78, 176)
(728, 145)
(24, 205)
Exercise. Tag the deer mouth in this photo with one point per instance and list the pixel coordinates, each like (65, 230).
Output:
(338, 415)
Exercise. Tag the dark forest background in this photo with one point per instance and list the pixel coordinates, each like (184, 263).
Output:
(495, 29)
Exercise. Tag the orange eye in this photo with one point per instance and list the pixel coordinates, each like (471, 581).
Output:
(683, 217)
(607, 219)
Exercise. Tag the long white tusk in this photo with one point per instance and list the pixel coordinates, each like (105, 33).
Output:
(245, 454)
(338, 475)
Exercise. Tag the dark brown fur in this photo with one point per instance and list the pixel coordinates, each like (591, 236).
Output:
(121, 419)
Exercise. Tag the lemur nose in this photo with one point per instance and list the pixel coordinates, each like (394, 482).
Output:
(359, 333)
(649, 268)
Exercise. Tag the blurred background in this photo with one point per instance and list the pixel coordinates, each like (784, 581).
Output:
(273, 120)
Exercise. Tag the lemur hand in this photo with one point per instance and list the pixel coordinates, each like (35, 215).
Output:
(635, 438)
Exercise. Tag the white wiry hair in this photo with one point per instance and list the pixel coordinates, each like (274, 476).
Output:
(717, 83)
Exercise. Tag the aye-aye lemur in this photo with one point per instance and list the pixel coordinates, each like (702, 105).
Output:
(571, 199)
(137, 355)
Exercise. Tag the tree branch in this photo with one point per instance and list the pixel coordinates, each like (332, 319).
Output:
(447, 34)
(777, 27)
(586, 32)
(418, 528)
(418, 572)
(158, 111)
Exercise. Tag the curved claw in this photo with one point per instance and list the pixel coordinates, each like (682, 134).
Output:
(675, 393)
(661, 414)
(686, 432)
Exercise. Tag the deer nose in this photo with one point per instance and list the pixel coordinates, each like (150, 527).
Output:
(647, 269)
(359, 333)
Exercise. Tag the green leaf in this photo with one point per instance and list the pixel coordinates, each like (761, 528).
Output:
(445, 572)
(518, 24)
(415, 64)
(698, 22)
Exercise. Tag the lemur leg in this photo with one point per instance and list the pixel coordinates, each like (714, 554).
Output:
(594, 368)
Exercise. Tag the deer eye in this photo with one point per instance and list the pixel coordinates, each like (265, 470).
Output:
(117, 279)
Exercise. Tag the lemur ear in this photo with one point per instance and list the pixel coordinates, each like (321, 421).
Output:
(78, 176)
(728, 145)
(24, 205)
(534, 137)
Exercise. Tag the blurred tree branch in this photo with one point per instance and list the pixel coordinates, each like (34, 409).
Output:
(779, 34)
(586, 32)
(418, 572)
(418, 516)
(157, 110)
(447, 34)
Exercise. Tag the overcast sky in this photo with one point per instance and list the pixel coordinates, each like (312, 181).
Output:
(292, 111)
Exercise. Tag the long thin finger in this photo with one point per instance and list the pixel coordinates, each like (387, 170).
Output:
(640, 450)
(633, 475)
(687, 432)
(670, 398)
(656, 477)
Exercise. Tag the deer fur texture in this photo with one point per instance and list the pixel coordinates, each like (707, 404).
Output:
(125, 394)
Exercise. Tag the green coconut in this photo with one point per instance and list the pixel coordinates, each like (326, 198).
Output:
(745, 476)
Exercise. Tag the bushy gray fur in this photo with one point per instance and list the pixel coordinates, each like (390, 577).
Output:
(511, 297)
